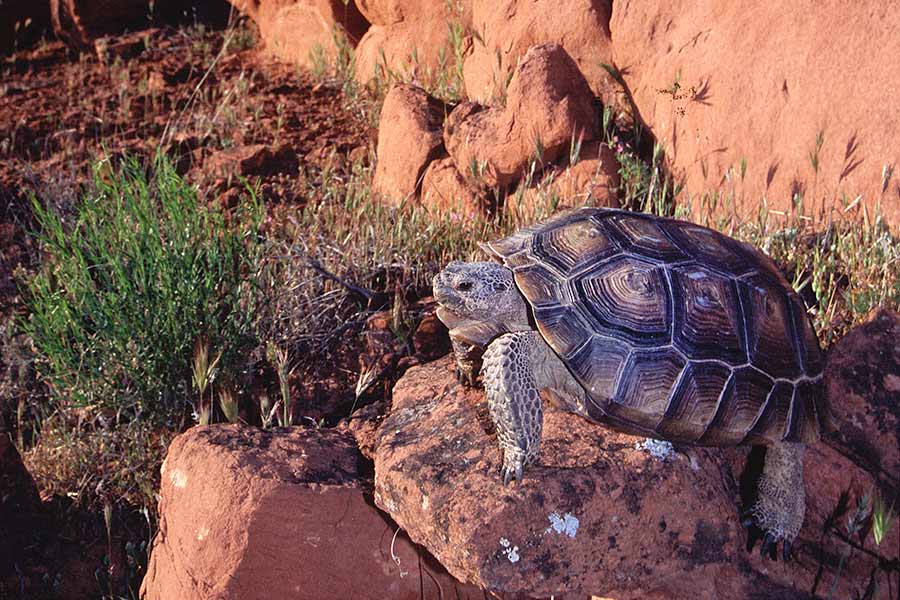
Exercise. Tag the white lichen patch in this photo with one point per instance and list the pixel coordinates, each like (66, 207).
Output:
(425, 502)
(202, 533)
(658, 449)
(507, 549)
(178, 478)
(566, 524)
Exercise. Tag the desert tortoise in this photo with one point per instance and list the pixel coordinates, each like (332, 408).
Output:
(653, 326)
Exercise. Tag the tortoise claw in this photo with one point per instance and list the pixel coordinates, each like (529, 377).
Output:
(513, 468)
(465, 377)
(769, 546)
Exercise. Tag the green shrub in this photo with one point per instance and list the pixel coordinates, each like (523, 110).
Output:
(133, 274)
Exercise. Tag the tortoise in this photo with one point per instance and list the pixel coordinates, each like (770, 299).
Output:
(649, 325)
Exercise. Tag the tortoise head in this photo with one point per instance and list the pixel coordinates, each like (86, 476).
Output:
(479, 293)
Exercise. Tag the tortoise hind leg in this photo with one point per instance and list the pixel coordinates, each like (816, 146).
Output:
(514, 399)
(781, 501)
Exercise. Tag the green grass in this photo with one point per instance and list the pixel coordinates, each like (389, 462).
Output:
(133, 275)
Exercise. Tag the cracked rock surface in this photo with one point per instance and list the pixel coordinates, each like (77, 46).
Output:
(602, 512)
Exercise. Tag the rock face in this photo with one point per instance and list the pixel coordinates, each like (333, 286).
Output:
(549, 103)
(20, 504)
(294, 29)
(508, 28)
(409, 137)
(408, 39)
(602, 513)
(863, 387)
(591, 181)
(248, 513)
(444, 189)
(718, 83)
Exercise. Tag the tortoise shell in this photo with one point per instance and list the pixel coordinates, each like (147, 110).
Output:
(674, 330)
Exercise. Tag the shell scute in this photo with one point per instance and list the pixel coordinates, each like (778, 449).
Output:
(738, 408)
(708, 318)
(770, 328)
(597, 365)
(644, 236)
(629, 296)
(709, 248)
(694, 400)
(647, 381)
(574, 245)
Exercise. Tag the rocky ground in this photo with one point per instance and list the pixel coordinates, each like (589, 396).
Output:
(383, 139)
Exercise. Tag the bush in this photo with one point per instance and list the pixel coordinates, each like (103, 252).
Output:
(133, 275)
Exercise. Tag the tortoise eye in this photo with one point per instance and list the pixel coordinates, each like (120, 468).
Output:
(464, 286)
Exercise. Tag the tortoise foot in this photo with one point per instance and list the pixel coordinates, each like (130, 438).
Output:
(465, 377)
(513, 468)
(769, 546)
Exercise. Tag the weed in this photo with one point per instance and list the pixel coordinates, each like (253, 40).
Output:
(129, 282)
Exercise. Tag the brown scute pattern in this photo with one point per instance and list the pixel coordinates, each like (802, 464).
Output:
(563, 327)
(711, 248)
(708, 317)
(658, 320)
(770, 330)
(738, 408)
(629, 296)
(597, 365)
(541, 288)
(574, 246)
(771, 423)
(645, 237)
(644, 393)
(803, 423)
(693, 403)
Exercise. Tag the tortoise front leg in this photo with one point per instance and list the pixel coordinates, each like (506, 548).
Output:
(514, 399)
(781, 502)
(468, 361)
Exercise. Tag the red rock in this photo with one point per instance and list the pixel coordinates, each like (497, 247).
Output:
(862, 380)
(598, 514)
(549, 103)
(508, 28)
(592, 181)
(409, 51)
(409, 137)
(430, 339)
(390, 12)
(253, 159)
(759, 83)
(293, 30)
(445, 190)
(20, 505)
(250, 513)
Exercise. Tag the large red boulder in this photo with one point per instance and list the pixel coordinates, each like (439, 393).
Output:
(508, 28)
(296, 30)
(863, 387)
(802, 94)
(250, 513)
(549, 104)
(602, 512)
(410, 39)
(409, 137)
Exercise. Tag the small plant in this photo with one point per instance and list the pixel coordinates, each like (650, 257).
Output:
(279, 359)
(203, 372)
(130, 280)
(883, 517)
